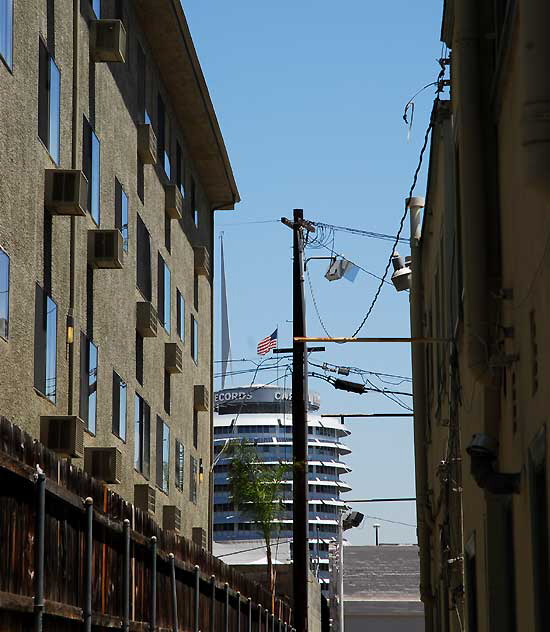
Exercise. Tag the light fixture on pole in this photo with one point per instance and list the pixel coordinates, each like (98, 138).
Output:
(401, 277)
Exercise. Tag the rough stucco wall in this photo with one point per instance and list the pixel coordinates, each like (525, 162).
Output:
(107, 95)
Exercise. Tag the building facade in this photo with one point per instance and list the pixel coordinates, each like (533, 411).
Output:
(111, 163)
(480, 296)
(262, 415)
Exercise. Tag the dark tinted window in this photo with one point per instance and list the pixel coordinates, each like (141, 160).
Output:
(6, 31)
(163, 455)
(90, 166)
(45, 345)
(4, 294)
(143, 264)
(88, 383)
(120, 390)
(142, 434)
(49, 93)
(121, 213)
(179, 465)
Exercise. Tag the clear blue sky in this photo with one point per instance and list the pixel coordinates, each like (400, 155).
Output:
(310, 95)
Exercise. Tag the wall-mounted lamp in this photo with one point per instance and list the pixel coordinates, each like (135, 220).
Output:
(70, 327)
(201, 471)
(401, 278)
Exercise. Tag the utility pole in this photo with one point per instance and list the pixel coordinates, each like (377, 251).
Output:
(300, 546)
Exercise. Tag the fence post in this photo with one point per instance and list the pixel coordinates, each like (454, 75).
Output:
(272, 622)
(238, 612)
(226, 607)
(197, 597)
(126, 578)
(174, 592)
(87, 610)
(39, 550)
(213, 605)
(249, 614)
(259, 617)
(153, 613)
(266, 620)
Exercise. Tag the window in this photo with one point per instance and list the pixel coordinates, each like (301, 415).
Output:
(163, 143)
(139, 358)
(163, 455)
(90, 166)
(196, 291)
(193, 207)
(167, 392)
(538, 492)
(179, 463)
(6, 31)
(143, 264)
(96, 6)
(180, 309)
(471, 584)
(180, 175)
(121, 213)
(49, 90)
(140, 179)
(193, 470)
(45, 344)
(88, 383)
(167, 232)
(194, 339)
(119, 406)
(195, 429)
(142, 432)
(4, 294)
(164, 294)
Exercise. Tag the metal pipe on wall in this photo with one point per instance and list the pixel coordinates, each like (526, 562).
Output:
(74, 165)
(420, 455)
(87, 609)
(39, 550)
(197, 598)
(473, 183)
(126, 577)
(213, 604)
(174, 592)
(153, 611)
(535, 117)
(226, 607)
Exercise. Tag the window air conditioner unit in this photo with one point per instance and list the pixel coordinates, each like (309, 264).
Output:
(202, 260)
(174, 202)
(146, 144)
(105, 249)
(201, 397)
(66, 192)
(173, 357)
(199, 537)
(144, 498)
(171, 518)
(104, 463)
(64, 435)
(146, 319)
(108, 41)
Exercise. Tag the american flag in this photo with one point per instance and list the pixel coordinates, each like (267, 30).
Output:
(265, 345)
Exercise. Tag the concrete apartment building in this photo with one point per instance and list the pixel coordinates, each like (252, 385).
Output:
(481, 273)
(111, 165)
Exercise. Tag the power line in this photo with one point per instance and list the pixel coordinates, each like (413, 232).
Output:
(356, 231)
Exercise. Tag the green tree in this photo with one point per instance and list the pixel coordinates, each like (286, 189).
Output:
(255, 488)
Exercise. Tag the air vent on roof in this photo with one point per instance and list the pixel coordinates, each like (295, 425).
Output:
(66, 192)
(105, 248)
(104, 463)
(63, 434)
(144, 498)
(108, 41)
(146, 144)
(202, 260)
(173, 358)
(171, 518)
(174, 202)
(146, 319)
(201, 397)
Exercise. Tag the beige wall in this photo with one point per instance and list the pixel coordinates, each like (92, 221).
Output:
(107, 97)
(495, 397)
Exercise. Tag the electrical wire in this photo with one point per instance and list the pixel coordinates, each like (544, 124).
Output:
(399, 231)
(315, 304)
(355, 231)
(405, 524)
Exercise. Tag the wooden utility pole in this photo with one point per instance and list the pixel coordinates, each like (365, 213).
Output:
(300, 533)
